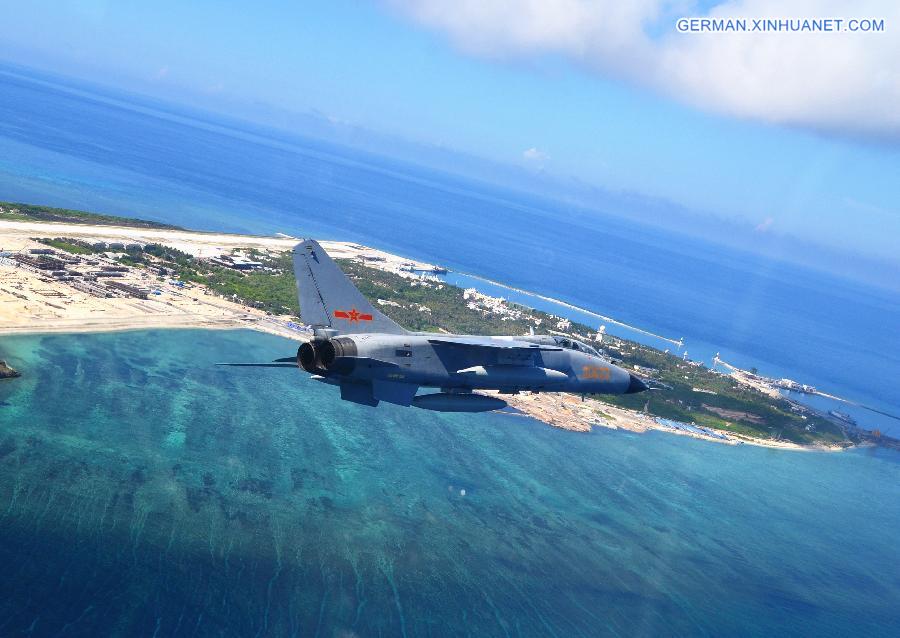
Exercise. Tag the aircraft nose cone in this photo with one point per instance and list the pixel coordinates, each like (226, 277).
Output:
(635, 385)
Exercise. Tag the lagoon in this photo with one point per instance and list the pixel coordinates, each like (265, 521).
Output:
(143, 491)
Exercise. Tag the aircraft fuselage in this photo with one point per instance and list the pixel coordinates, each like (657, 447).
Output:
(456, 363)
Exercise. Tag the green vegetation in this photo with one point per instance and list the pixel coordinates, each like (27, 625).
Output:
(448, 311)
(272, 289)
(699, 395)
(718, 400)
(687, 392)
(69, 246)
(274, 293)
(29, 212)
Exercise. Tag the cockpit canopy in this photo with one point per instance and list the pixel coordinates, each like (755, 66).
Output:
(574, 344)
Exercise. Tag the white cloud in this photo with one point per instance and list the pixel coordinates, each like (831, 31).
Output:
(765, 225)
(534, 155)
(842, 82)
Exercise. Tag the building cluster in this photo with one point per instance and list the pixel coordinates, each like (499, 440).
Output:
(499, 306)
(647, 371)
(406, 269)
(113, 246)
(413, 267)
(236, 262)
(95, 275)
(486, 304)
(794, 386)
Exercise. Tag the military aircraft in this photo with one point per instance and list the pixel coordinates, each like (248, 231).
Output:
(371, 358)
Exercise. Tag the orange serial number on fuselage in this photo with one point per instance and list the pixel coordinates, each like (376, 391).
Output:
(601, 373)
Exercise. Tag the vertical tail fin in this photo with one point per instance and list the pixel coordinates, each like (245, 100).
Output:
(328, 299)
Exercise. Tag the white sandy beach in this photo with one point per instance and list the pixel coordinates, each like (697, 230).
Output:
(33, 303)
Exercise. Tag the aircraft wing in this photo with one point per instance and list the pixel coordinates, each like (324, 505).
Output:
(488, 342)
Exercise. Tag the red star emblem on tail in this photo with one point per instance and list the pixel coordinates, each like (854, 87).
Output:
(353, 316)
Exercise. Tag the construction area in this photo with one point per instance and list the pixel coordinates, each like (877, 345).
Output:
(49, 290)
(45, 288)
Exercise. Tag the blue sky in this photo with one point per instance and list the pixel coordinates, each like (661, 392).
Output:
(388, 69)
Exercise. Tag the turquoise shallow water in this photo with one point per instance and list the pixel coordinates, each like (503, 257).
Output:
(145, 492)
(125, 155)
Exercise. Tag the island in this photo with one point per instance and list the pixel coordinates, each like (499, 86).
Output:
(72, 271)
(8, 372)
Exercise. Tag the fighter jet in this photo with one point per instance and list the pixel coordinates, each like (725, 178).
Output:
(372, 359)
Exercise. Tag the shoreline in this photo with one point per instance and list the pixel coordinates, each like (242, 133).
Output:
(569, 412)
(565, 304)
(534, 406)
(32, 303)
(131, 324)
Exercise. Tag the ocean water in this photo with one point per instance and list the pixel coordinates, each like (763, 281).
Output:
(73, 146)
(145, 492)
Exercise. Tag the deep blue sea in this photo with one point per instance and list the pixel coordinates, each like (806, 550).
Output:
(78, 148)
(146, 492)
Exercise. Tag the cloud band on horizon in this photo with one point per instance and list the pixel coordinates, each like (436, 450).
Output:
(844, 83)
